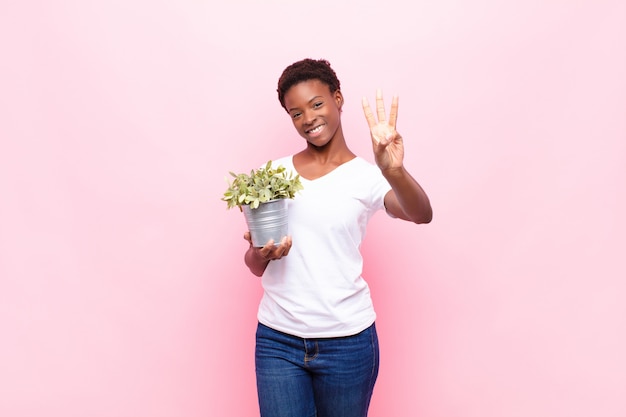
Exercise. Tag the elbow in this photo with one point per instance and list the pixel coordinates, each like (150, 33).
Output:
(424, 220)
(421, 217)
(424, 217)
(427, 214)
(420, 212)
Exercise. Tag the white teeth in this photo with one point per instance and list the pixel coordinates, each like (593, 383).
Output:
(315, 130)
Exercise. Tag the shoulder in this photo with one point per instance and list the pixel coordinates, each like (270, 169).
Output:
(365, 167)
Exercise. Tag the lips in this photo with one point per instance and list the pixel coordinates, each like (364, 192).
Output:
(315, 130)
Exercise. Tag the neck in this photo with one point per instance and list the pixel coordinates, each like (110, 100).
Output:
(336, 150)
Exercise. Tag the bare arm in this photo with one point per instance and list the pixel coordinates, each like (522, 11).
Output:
(407, 200)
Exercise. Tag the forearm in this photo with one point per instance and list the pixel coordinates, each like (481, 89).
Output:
(255, 261)
(410, 197)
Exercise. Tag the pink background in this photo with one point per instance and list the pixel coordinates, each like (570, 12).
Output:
(122, 287)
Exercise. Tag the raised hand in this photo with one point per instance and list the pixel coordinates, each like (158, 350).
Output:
(386, 141)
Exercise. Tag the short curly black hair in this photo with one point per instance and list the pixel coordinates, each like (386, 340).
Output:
(306, 69)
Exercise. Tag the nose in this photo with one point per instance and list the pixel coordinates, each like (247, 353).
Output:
(309, 117)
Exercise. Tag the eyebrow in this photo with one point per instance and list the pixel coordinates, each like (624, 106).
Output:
(295, 108)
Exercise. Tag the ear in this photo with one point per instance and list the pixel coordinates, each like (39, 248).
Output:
(338, 99)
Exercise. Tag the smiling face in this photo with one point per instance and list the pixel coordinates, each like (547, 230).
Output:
(315, 111)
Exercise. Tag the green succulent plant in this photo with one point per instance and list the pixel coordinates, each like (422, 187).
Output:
(261, 185)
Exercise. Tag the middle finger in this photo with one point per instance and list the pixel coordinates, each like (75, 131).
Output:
(380, 106)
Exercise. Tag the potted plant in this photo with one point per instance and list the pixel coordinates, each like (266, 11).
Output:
(262, 196)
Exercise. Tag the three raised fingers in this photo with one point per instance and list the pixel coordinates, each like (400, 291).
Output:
(380, 110)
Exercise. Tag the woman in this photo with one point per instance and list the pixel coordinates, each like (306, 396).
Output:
(316, 344)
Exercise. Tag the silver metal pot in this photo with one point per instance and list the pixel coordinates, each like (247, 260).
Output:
(268, 221)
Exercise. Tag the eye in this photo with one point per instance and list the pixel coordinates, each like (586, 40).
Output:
(295, 115)
(318, 104)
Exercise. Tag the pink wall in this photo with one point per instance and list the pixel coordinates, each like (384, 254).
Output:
(122, 287)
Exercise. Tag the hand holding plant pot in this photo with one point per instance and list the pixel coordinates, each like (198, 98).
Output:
(261, 195)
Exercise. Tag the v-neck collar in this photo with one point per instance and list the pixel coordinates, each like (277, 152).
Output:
(328, 174)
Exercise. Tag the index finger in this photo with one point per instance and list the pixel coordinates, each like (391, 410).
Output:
(369, 116)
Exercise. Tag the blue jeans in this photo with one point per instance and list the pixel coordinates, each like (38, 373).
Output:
(328, 377)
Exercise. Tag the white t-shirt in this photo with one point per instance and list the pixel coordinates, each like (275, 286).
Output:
(317, 289)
